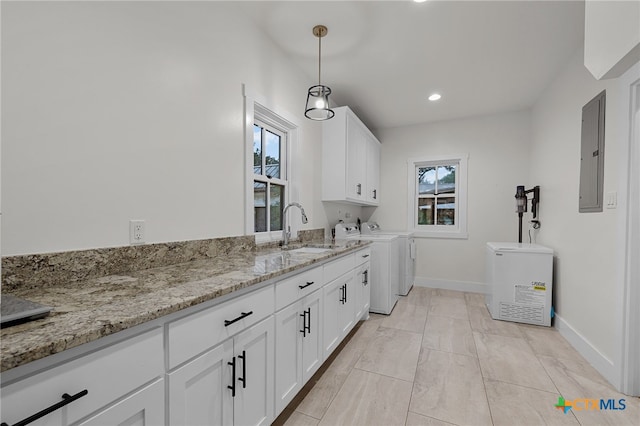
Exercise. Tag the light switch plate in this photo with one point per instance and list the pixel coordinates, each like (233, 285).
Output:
(611, 200)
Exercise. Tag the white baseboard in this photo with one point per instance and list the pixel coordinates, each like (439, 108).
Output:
(468, 286)
(597, 360)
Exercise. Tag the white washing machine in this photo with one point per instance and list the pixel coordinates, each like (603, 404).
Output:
(520, 281)
(407, 251)
(384, 274)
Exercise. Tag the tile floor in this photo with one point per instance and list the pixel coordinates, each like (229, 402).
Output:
(439, 359)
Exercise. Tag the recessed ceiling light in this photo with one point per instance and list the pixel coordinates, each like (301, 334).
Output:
(419, 1)
(434, 97)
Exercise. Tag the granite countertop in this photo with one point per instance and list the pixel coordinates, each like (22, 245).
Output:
(85, 311)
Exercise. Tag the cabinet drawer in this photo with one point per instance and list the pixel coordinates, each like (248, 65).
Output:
(291, 289)
(338, 267)
(196, 333)
(363, 256)
(107, 375)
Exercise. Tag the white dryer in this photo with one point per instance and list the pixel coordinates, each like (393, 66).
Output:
(384, 274)
(407, 252)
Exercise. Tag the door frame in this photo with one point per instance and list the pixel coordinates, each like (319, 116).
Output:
(629, 332)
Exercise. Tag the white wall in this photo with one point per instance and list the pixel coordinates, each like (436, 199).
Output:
(586, 244)
(114, 111)
(498, 161)
(611, 36)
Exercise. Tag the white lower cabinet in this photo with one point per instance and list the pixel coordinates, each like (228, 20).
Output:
(119, 382)
(312, 354)
(299, 351)
(236, 363)
(363, 291)
(229, 384)
(198, 393)
(339, 312)
(362, 288)
(254, 352)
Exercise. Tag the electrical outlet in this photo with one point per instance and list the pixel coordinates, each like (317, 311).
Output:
(136, 231)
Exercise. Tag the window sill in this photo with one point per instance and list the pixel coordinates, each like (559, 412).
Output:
(418, 233)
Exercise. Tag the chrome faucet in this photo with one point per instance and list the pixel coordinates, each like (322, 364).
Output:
(286, 233)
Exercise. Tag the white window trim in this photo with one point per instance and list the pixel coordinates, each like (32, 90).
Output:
(257, 107)
(438, 231)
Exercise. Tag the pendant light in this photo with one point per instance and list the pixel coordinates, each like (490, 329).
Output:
(318, 97)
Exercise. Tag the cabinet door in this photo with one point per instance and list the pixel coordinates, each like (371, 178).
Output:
(373, 170)
(312, 353)
(356, 160)
(143, 408)
(346, 310)
(254, 351)
(288, 373)
(331, 329)
(366, 302)
(198, 393)
(362, 290)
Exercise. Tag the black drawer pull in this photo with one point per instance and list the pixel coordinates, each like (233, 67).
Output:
(306, 285)
(243, 316)
(365, 277)
(308, 327)
(365, 255)
(66, 399)
(232, 386)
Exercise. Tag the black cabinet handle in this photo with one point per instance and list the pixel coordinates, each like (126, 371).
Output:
(243, 316)
(359, 189)
(304, 324)
(365, 255)
(365, 277)
(343, 297)
(375, 194)
(306, 285)
(243, 379)
(232, 386)
(308, 312)
(66, 399)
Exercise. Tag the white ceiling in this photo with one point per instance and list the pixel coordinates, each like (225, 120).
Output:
(384, 58)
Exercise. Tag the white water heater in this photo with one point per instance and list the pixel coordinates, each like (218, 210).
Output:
(519, 277)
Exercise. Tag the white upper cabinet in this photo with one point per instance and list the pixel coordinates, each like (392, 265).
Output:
(350, 160)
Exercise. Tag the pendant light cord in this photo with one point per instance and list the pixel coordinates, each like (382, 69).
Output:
(319, 55)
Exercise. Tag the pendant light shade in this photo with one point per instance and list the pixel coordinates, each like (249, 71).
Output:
(318, 96)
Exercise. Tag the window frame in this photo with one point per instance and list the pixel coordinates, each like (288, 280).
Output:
(263, 177)
(459, 229)
(258, 109)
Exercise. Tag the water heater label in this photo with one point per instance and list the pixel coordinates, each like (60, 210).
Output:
(533, 294)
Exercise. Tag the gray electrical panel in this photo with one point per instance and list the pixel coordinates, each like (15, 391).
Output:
(592, 155)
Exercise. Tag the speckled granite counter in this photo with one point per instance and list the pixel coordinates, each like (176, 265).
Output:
(87, 310)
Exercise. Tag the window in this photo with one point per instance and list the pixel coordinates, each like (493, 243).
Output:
(270, 140)
(437, 197)
(269, 177)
